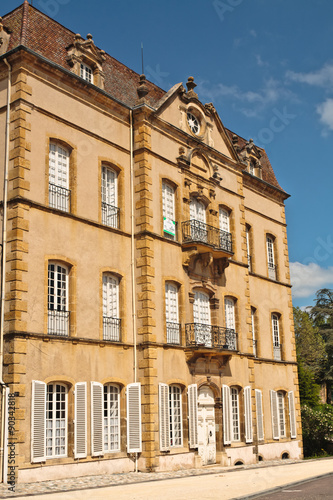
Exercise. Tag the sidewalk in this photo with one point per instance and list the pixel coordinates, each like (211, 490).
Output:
(234, 482)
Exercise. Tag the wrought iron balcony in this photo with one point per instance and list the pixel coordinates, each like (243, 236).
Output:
(277, 350)
(59, 197)
(110, 215)
(199, 233)
(272, 271)
(58, 322)
(210, 336)
(111, 329)
(173, 332)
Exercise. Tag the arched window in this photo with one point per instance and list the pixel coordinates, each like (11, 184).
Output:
(111, 418)
(57, 299)
(168, 207)
(224, 216)
(197, 210)
(171, 313)
(276, 336)
(110, 210)
(201, 319)
(234, 395)
(111, 320)
(270, 257)
(59, 193)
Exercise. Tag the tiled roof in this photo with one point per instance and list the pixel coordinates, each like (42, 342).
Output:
(45, 36)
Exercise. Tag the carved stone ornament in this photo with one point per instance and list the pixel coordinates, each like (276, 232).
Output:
(4, 38)
(190, 88)
(86, 52)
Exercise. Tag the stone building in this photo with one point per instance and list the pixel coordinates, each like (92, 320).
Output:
(147, 319)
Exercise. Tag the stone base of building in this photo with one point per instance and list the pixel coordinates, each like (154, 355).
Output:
(277, 451)
(178, 461)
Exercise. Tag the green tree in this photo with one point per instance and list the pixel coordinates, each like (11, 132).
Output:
(308, 389)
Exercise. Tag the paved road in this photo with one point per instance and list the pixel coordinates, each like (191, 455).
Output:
(317, 489)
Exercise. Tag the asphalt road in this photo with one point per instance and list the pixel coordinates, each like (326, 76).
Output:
(316, 489)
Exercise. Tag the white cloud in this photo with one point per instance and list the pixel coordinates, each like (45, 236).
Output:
(260, 62)
(325, 111)
(253, 33)
(321, 78)
(306, 279)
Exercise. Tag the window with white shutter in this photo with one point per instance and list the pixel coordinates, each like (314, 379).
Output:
(80, 420)
(111, 418)
(224, 217)
(168, 208)
(234, 403)
(175, 414)
(163, 396)
(281, 410)
(59, 193)
(276, 337)
(57, 299)
(97, 419)
(111, 320)
(201, 319)
(56, 420)
(171, 313)
(270, 258)
(229, 305)
(248, 415)
(260, 418)
(110, 210)
(133, 400)
(192, 396)
(38, 430)
(275, 415)
(227, 432)
(292, 415)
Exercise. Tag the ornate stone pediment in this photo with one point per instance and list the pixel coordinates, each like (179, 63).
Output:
(86, 52)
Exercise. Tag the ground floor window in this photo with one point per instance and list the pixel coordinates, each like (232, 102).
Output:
(56, 421)
(111, 418)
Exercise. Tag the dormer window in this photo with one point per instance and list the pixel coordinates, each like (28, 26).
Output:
(86, 73)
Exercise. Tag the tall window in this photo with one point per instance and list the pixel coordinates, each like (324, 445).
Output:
(111, 320)
(254, 340)
(234, 394)
(86, 73)
(270, 258)
(281, 410)
(111, 418)
(56, 421)
(229, 304)
(197, 210)
(175, 412)
(201, 319)
(110, 210)
(58, 314)
(248, 247)
(59, 193)
(276, 337)
(168, 205)
(171, 313)
(224, 217)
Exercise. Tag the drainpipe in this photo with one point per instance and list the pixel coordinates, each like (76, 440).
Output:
(4, 410)
(133, 262)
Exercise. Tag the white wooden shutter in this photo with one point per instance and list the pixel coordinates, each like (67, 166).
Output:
(38, 418)
(275, 415)
(292, 416)
(97, 425)
(80, 420)
(133, 399)
(226, 414)
(164, 418)
(192, 395)
(248, 415)
(260, 421)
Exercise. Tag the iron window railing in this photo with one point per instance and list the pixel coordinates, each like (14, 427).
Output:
(173, 332)
(58, 322)
(272, 271)
(111, 328)
(215, 337)
(277, 352)
(59, 197)
(110, 215)
(198, 232)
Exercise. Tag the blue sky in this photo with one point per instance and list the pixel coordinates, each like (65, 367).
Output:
(268, 68)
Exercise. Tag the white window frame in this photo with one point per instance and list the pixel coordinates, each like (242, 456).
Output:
(202, 319)
(224, 219)
(282, 415)
(168, 210)
(260, 415)
(197, 210)
(248, 414)
(59, 194)
(277, 354)
(58, 298)
(292, 415)
(176, 416)
(109, 196)
(229, 310)
(86, 72)
(111, 320)
(270, 257)
(111, 422)
(248, 247)
(52, 424)
(253, 328)
(172, 313)
(234, 406)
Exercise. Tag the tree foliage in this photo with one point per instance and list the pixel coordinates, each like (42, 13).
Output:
(317, 426)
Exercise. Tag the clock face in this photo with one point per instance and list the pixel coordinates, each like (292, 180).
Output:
(193, 123)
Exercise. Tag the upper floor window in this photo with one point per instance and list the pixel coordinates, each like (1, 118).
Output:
(168, 206)
(110, 210)
(197, 210)
(111, 418)
(111, 320)
(248, 247)
(276, 337)
(201, 319)
(224, 216)
(253, 327)
(86, 73)
(270, 258)
(171, 313)
(59, 193)
(57, 302)
(229, 305)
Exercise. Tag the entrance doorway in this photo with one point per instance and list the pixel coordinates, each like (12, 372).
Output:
(206, 426)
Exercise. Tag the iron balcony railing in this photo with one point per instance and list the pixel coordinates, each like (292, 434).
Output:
(110, 215)
(111, 329)
(277, 351)
(214, 337)
(173, 332)
(194, 231)
(59, 197)
(58, 322)
(272, 271)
